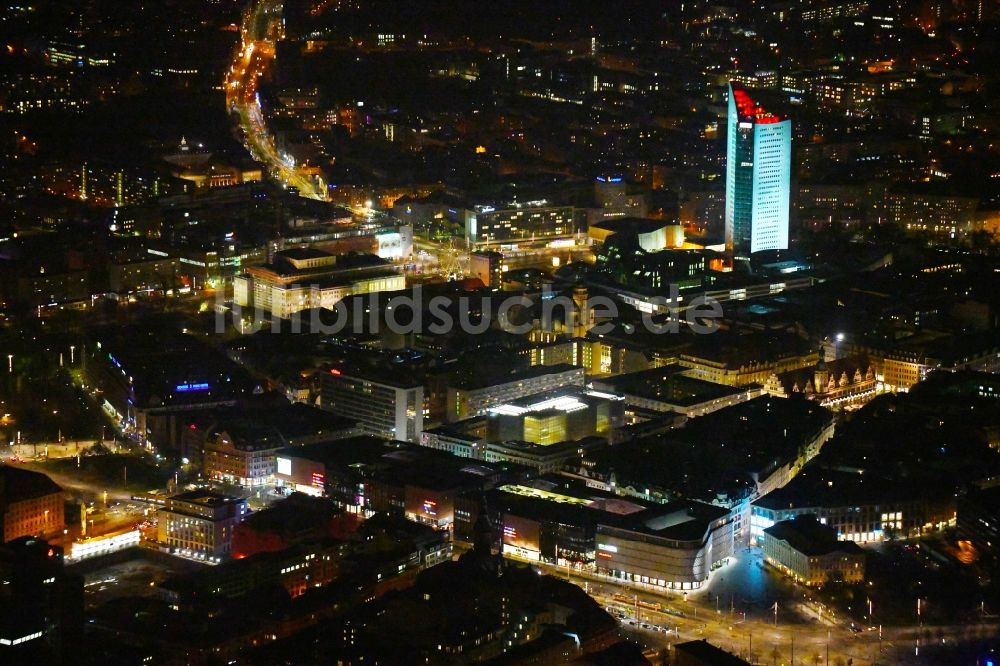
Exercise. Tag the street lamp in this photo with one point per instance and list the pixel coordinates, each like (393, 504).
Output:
(72, 354)
(10, 363)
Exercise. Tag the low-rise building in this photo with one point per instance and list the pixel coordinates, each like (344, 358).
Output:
(487, 265)
(744, 360)
(727, 458)
(31, 504)
(810, 553)
(670, 389)
(703, 653)
(296, 520)
(152, 379)
(242, 454)
(841, 383)
(151, 275)
(464, 439)
(366, 475)
(858, 505)
(199, 524)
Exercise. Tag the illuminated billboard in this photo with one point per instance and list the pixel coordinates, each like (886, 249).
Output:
(521, 538)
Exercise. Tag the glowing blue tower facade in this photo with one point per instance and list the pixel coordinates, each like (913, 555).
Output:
(758, 177)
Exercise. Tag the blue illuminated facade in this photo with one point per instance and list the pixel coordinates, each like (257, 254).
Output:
(758, 177)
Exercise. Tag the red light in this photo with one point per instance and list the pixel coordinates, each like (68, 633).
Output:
(747, 109)
(193, 427)
(334, 371)
(51, 552)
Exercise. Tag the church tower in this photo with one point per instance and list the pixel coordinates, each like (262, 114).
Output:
(821, 376)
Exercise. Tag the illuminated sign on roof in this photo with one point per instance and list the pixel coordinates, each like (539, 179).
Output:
(185, 388)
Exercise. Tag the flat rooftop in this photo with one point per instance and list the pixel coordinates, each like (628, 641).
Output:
(810, 537)
(18, 484)
(639, 225)
(667, 384)
(703, 652)
(682, 520)
(817, 486)
(566, 399)
(300, 253)
(497, 378)
(718, 453)
(560, 499)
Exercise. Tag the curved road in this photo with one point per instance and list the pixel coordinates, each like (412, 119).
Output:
(659, 619)
(261, 31)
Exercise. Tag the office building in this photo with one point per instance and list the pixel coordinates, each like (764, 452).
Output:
(31, 504)
(758, 176)
(507, 221)
(615, 198)
(199, 524)
(933, 215)
(471, 439)
(383, 403)
(517, 223)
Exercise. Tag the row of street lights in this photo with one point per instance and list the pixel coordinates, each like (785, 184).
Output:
(72, 359)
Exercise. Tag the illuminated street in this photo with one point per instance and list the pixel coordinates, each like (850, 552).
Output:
(260, 32)
(663, 619)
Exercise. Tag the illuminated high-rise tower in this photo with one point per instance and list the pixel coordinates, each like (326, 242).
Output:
(758, 177)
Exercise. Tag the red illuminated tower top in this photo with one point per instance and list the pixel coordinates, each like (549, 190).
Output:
(748, 110)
